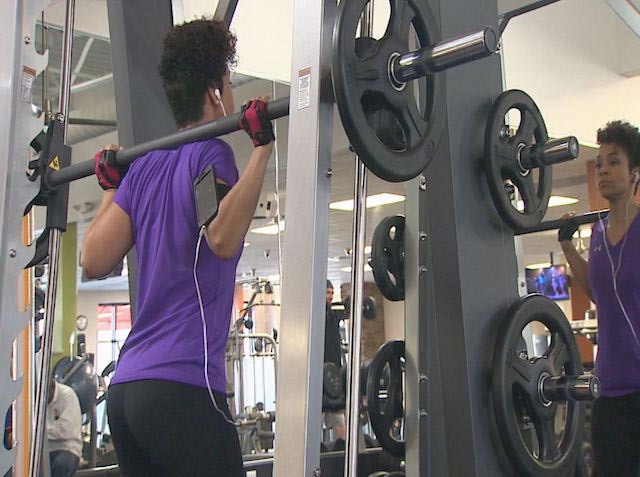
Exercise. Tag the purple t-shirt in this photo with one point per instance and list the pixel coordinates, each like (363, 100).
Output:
(166, 340)
(618, 359)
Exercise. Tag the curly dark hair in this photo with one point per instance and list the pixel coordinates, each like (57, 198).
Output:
(196, 56)
(624, 135)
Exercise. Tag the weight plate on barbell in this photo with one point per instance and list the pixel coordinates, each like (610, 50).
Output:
(332, 380)
(526, 423)
(79, 375)
(366, 96)
(501, 150)
(385, 396)
(369, 307)
(387, 257)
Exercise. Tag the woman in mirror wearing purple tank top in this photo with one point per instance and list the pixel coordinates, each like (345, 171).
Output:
(611, 279)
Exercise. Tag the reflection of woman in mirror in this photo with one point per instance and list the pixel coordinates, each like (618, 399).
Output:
(611, 279)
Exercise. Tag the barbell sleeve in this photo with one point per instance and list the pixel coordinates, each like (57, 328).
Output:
(574, 388)
(225, 125)
(551, 152)
(444, 55)
(582, 219)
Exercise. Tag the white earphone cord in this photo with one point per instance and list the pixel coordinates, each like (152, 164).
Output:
(615, 270)
(218, 96)
(204, 330)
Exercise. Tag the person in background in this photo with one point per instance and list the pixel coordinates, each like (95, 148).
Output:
(64, 429)
(611, 279)
(332, 338)
(333, 354)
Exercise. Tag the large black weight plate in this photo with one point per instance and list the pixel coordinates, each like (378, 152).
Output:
(332, 380)
(526, 425)
(83, 380)
(385, 396)
(369, 307)
(387, 257)
(500, 159)
(366, 96)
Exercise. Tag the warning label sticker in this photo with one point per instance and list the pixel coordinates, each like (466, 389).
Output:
(55, 164)
(28, 75)
(304, 88)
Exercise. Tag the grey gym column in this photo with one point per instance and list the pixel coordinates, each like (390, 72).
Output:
(137, 30)
(424, 416)
(299, 404)
(473, 262)
(21, 63)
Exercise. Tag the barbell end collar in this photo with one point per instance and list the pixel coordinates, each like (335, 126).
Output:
(552, 152)
(560, 150)
(575, 388)
(444, 55)
(594, 387)
(583, 388)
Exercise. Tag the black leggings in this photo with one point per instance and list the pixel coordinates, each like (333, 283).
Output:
(165, 428)
(615, 436)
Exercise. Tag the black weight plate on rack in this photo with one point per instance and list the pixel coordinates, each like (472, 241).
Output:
(387, 257)
(501, 164)
(366, 96)
(385, 396)
(526, 423)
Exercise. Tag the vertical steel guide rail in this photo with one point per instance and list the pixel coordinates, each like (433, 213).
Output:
(357, 287)
(39, 434)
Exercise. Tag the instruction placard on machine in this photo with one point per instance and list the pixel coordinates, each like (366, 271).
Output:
(304, 88)
(28, 75)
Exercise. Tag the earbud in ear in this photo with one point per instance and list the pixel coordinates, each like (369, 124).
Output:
(216, 93)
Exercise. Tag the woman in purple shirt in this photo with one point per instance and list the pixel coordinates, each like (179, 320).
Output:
(611, 279)
(166, 404)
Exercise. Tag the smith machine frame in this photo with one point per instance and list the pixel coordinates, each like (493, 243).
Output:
(452, 313)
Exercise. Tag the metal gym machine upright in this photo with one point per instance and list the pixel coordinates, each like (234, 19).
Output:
(449, 323)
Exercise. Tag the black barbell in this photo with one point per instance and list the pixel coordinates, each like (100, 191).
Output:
(581, 219)
(399, 68)
(225, 125)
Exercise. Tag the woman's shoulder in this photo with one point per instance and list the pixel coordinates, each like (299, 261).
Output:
(211, 151)
(219, 147)
(219, 154)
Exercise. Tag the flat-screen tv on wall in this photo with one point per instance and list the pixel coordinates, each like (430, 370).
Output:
(551, 282)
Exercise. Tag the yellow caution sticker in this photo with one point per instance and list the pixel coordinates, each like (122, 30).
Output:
(55, 164)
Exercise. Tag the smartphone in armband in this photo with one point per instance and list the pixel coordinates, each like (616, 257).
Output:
(204, 188)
